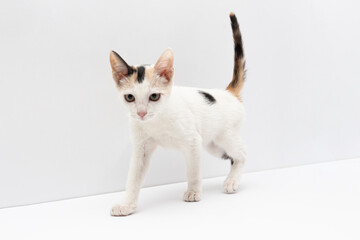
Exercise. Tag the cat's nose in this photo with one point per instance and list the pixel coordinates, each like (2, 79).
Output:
(142, 114)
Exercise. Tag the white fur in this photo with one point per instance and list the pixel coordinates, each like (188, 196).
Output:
(182, 119)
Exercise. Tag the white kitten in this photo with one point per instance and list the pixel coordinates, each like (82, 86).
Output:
(182, 118)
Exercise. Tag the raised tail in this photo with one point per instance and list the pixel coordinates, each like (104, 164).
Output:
(238, 79)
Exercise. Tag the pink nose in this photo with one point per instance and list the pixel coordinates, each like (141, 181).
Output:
(142, 114)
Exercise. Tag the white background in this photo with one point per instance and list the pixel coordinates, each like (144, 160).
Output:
(63, 132)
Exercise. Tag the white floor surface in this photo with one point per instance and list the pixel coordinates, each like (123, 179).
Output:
(320, 201)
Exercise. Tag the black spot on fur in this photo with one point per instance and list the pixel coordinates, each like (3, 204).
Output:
(226, 157)
(140, 74)
(208, 97)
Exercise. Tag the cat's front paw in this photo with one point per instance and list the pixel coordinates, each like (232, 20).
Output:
(122, 210)
(192, 196)
(231, 185)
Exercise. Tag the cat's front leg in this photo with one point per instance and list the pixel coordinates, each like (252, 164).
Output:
(193, 164)
(138, 168)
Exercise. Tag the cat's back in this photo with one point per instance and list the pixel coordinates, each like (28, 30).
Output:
(212, 110)
(207, 100)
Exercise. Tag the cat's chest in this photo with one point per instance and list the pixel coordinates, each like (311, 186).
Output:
(168, 135)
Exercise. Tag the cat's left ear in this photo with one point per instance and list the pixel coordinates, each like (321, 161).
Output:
(164, 65)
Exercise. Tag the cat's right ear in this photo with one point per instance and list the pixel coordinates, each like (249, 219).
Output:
(120, 68)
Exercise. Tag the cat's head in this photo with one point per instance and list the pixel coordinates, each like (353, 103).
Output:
(144, 90)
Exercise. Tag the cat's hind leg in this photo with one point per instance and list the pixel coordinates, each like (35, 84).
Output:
(235, 152)
(217, 151)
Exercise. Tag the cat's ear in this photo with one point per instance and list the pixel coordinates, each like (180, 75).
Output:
(164, 65)
(119, 67)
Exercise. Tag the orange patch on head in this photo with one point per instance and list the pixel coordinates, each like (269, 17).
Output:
(127, 82)
(155, 80)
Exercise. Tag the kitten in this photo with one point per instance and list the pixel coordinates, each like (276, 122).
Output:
(182, 118)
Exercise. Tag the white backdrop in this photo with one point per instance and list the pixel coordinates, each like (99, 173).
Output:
(63, 132)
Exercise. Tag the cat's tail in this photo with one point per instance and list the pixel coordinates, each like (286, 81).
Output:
(238, 79)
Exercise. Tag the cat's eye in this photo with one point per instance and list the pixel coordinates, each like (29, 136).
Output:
(154, 97)
(129, 97)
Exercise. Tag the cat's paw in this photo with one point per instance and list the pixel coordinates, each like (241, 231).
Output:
(231, 185)
(122, 210)
(192, 196)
